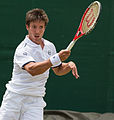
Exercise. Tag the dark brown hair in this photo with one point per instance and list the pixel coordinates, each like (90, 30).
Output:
(36, 14)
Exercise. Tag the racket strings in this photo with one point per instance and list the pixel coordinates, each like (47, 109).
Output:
(91, 17)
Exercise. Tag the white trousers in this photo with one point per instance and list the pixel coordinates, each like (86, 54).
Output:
(21, 107)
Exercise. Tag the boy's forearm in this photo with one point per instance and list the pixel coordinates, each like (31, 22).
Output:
(62, 70)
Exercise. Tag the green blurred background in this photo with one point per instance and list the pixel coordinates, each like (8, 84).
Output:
(93, 54)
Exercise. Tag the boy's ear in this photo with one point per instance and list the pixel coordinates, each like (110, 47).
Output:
(27, 26)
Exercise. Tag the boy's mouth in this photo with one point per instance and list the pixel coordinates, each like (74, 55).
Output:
(36, 36)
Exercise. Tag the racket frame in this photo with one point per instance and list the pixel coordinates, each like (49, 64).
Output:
(80, 32)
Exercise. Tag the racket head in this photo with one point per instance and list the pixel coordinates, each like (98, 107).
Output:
(90, 17)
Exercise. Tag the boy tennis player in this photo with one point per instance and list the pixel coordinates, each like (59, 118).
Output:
(23, 99)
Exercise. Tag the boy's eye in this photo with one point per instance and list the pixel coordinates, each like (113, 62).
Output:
(41, 27)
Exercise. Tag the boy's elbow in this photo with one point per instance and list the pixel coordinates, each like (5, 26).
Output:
(33, 72)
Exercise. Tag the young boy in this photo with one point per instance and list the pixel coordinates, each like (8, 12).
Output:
(34, 56)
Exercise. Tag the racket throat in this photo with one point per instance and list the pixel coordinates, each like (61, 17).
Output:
(78, 35)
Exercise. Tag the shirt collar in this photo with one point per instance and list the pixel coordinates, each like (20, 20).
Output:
(30, 42)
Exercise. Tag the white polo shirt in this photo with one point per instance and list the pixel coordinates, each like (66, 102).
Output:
(22, 82)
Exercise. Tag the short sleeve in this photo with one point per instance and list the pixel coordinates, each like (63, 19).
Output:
(53, 49)
(22, 58)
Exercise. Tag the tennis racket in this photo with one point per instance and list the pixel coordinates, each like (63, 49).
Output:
(87, 23)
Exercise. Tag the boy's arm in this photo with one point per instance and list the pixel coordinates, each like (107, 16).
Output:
(66, 68)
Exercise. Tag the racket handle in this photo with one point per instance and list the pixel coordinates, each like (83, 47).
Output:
(71, 45)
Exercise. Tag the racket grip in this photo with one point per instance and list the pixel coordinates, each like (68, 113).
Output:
(70, 45)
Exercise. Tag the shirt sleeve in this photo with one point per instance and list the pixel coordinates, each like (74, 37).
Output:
(54, 51)
(22, 58)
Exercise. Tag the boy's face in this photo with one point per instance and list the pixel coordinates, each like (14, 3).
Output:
(36, 31)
